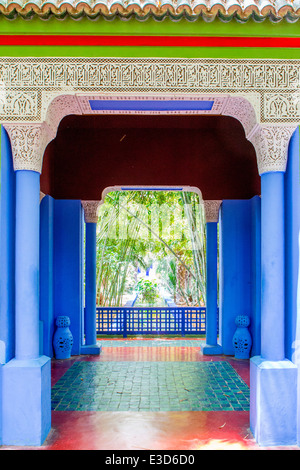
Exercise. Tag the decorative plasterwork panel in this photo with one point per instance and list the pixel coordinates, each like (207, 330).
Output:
(211, 209)
(29, 85)
(271, 145)
(242, 110)
(91, 209)
(263, 94)
(28, 143)
(60, 107)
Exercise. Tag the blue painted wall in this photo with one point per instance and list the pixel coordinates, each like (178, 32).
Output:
(239, 268)
(46, 274)
(255, 325)
(7, 251)
(68, 266)
(292, 230)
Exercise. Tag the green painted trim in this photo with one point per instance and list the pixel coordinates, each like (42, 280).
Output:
(132, 26)
(182, 52)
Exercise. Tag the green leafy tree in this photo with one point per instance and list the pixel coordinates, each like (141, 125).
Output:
(148, 290)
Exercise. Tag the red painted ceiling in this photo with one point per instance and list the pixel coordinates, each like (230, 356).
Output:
(90, 153)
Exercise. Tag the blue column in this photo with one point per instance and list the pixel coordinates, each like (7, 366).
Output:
(27, 264)
(292, 227)
(90, 283)
(90, 346)
(272, 266)
(26, 413)
(212, 346)
(273, 379)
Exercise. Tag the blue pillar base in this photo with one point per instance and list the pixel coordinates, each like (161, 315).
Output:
(212, 349)
(91, 349)
(273, 401)
(26, 401)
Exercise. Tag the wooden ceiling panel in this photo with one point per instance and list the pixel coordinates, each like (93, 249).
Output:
(91, 153)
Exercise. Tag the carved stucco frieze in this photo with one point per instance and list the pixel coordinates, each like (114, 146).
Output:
(91, 209)
(271, 146)
(211, 208)
(29, 85)
(28, 142)
(257, 92)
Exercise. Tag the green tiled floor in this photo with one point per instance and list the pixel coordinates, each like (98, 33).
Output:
(150, 386)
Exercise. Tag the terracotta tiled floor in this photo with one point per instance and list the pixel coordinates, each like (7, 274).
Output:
(150, 395)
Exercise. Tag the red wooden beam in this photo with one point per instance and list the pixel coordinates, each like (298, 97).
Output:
(164, 41)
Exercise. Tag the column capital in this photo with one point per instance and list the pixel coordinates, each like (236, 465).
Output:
(28, 142)
(90, 211)
(271, 146)
(211, 208)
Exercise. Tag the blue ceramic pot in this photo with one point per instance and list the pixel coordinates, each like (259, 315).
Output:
(242, 340)
(62, 339)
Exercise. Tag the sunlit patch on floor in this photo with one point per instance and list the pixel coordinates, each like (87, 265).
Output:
(220, 444)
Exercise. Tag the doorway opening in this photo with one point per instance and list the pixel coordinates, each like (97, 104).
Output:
(151, 262)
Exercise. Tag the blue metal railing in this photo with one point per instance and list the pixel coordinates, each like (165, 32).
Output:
(170, 320)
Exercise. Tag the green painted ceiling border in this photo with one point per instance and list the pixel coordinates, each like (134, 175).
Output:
(150, 27)
(183, 52)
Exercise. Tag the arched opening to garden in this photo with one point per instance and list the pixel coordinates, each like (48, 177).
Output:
(151, 261)
(151, 248)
